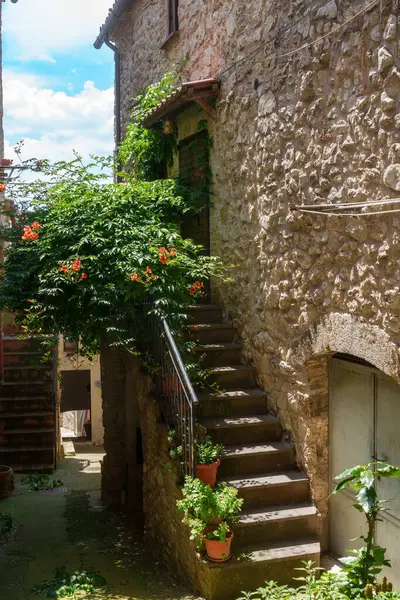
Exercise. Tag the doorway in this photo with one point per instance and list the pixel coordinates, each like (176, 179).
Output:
(75, 403)
(193, 170)
(364, 417)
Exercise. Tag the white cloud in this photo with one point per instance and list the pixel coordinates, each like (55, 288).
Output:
(53, 124)
(40, 28)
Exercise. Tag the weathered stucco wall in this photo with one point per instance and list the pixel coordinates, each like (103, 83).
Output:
(317, 125)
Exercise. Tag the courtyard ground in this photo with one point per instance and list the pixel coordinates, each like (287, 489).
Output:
(70, 528)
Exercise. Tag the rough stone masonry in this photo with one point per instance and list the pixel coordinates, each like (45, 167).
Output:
(308, 114)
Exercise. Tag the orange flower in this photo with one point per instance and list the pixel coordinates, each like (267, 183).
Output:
(36, 225)
(2, 187)
(147, 271)
(64, 269)
(172, 252)
(135, 277)
(33, 236)
(192, 291)
(76, 265)
(163, 259)
(29, 300)
(84, 275)
(196, 327)
(162, 251)
(198, 285)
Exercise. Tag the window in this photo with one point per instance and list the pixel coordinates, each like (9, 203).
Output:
(173, 20)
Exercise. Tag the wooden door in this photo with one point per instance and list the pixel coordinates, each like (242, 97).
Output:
(388, 449)
(351, 442)
(364, 417)
(193, 170)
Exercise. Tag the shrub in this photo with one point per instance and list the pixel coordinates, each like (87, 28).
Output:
(204, 506)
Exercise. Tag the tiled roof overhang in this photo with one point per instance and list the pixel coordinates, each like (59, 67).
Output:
(114, 13)
(191, 91)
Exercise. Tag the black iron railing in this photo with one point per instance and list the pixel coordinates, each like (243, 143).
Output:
(177, 396)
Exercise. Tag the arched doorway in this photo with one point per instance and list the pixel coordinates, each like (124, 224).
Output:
(364, 420)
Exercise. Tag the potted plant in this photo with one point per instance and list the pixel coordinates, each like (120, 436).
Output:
(209, 513)
(207, 457)
(206, 452)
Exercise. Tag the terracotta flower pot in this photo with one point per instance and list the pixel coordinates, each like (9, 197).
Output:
(208, 473)
(219, 551)
(6, 481)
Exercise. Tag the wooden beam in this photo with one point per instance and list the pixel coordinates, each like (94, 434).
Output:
(205, 106)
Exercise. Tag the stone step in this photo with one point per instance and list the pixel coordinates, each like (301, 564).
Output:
(12, 389)
(243, 430)
(203, 313)
(35, 468)
(16, 343)
(27, 437)
(239, 402)
(26, 420)
(269, 489)
(25, 358)
(252, 566)
(216, 355)
(21, 404)
(232, 377)
(270, 524)
(211, 333)
(27, 373)
(247, 459)
(26, 456)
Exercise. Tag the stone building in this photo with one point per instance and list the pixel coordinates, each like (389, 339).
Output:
(306, 180)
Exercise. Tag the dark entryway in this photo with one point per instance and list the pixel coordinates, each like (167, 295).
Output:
(76, 398)
(193, 170)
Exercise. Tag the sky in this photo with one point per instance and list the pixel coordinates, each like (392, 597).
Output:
(58, 89)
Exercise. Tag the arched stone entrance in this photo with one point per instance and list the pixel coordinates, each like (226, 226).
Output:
(310, 359)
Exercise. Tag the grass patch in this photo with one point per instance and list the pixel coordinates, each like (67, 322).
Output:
(78, 584)
(39, 481)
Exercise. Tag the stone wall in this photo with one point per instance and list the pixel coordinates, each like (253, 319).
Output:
(308, 118)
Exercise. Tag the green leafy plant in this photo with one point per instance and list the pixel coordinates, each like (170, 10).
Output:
(204, 506)
(70, 584)
(103, 252)
(207, 452)
(366, 563)
(315, 585)
(40, 481)
(143, 152)
(6, 523)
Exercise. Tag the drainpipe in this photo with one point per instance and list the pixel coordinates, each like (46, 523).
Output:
(117, 107)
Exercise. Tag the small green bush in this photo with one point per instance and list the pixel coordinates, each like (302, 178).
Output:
(6, 523)
(67, 584)
(203, 506)
(315, 586)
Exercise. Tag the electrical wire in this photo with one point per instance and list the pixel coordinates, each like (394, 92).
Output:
(290, 26)
(284, 30)
(334, 214)
(323, 37)
(345, 205)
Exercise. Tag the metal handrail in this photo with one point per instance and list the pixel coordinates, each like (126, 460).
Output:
(178, 398)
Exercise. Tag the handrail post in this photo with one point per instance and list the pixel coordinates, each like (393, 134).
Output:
(179, 398)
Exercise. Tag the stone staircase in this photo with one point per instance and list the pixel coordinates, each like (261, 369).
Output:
(279, 525)
(27, 408)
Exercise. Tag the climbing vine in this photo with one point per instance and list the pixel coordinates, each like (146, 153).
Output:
(144, 152)
(87, 254)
